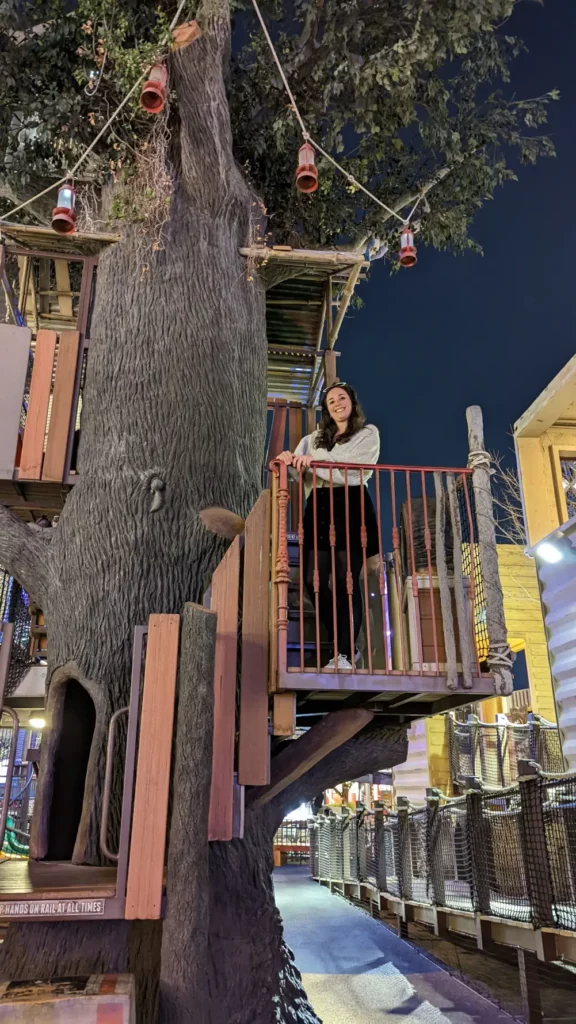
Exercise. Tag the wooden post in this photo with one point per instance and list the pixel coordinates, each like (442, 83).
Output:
(284, 714)
(433, 842)
(148, 840)
(253, 740)
(479, 843)
(224, 599)
(462, 610)
(530, 987)
(330, 372)
(184, 968)
(499, 654)
(404, 853)
(534, 846)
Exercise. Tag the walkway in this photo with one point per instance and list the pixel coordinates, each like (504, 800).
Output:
(356, 971)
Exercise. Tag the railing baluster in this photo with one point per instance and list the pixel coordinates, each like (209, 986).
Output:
(333, 567)
(282, 570)
(428, 544)
(364, 543)
(302, 566)
(397, 568)
(349, 579)
(415, 590)
(316, 577)
(382, 579)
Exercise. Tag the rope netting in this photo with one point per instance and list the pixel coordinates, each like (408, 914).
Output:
(509, 853)
(491, 752)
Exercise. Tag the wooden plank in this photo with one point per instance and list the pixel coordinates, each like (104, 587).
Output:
(35, 428)
(302, 754)
(284, 714)
(62, 270)
(224, 601)
(330, 371)
(55, 457)
(14, 352)
(254, 741)
(386, 682)
(150, 817)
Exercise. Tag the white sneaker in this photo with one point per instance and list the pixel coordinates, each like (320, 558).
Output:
(342, 663)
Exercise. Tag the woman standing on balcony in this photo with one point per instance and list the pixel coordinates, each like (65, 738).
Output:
(342, 436)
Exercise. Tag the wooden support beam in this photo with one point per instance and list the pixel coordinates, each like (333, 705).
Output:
(149, 821)
(302, 754)
(62, 270)
(254, 741)
(330, 372)
(224, 601)
(40, 388)
(284, 714)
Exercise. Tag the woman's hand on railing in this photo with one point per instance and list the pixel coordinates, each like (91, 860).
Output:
(302, 461)
(286, 457)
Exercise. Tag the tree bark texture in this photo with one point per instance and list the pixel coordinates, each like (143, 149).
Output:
(174, 415)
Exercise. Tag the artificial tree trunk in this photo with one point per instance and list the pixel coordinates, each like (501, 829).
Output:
(173, 423)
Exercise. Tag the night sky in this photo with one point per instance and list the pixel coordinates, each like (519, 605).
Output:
(490, 330)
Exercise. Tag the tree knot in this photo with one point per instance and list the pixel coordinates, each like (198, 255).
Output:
(157, 487)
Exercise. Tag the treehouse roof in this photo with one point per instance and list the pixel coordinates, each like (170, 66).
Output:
(299, 323)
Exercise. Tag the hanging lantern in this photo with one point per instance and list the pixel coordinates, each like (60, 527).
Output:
(307, 172)
(407, 252)
(153, 95)
(64, 214)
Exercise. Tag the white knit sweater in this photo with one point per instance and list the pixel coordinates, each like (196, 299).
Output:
(363, 447)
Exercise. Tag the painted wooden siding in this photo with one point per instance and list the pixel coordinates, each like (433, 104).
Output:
(525, 624)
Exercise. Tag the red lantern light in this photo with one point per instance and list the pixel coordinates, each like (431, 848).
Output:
(64, 214)
(153, 95)
(407, 252)
(307, 172)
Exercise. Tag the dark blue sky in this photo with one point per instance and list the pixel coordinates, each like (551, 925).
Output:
(491, 330)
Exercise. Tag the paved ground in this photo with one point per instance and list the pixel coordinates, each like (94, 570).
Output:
(356, 971)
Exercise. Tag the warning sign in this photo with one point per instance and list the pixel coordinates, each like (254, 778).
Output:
(53, 908)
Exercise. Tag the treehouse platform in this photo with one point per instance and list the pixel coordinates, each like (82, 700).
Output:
(50, 281)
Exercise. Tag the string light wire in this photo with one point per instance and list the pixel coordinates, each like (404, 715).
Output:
(95, 141)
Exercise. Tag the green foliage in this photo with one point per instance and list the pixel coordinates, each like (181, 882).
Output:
(396, 90)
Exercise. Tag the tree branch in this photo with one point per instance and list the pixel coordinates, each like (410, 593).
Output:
(25, 554)
(374, 748)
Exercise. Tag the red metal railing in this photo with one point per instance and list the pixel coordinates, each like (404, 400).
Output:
(382, 569)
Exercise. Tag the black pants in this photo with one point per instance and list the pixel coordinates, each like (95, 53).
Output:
(325, 595)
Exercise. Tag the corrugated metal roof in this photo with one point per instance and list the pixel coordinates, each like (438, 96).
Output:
(296, 313)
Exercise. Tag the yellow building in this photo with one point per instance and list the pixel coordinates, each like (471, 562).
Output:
(545, 442)
(428, 762)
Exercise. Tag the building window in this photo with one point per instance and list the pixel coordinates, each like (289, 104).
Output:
(568, 467)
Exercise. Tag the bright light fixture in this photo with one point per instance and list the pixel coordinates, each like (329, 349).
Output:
(37, 723)
(549, 552)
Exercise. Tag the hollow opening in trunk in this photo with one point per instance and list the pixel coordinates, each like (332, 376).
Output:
(70, 766)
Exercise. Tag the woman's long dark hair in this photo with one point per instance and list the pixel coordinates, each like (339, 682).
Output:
(327, 428)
